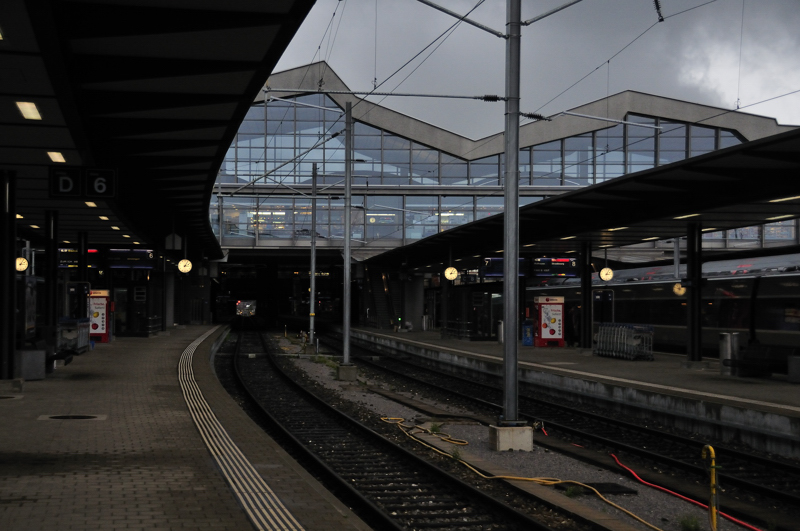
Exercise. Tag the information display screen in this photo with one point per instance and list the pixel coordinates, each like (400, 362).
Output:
(555, 267)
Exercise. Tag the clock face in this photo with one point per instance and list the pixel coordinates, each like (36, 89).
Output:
(184, 266)
(606, 273)
(22, 264)
(678, 290)
(450, 273)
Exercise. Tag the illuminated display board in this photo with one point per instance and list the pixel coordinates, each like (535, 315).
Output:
(555, 267)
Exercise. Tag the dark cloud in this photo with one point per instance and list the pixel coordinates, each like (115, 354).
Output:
(692, 56)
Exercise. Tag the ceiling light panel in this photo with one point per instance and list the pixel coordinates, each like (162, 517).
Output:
(29, 110)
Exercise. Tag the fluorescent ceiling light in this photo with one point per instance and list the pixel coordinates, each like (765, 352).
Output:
(19, 216)
(529, 245)
(104, 218)
(780, 217)
(91, 204)
(617, 228)
(34, 226)
(569, 237)
(136, 243)
(604, 246)
(785, 199)
(114, 227)
(29, 110)
(651, 238)
(687, 216)
(125, 236)
(710, 229)
(56, 156)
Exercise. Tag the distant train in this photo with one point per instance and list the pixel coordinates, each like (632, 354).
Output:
(758, 298)
(246, 308)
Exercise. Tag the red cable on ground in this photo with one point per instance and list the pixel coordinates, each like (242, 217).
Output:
(724, 515)
(545, 432)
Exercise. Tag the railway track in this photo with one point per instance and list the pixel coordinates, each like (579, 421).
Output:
(777, 482)
(391, 486)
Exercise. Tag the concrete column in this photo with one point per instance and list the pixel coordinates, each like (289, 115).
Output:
(586, 329)
(414, 301)
(694, 295)
(8, 279)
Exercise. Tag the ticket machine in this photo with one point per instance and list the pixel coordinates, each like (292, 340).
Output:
(549, 322)
(99, 313)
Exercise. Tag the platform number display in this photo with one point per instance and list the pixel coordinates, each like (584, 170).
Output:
(82, 183)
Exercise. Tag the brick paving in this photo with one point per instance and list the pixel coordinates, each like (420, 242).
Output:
(142, 464)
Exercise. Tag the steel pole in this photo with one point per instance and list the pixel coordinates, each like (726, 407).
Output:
(348, 163)
(511, 215)
(312, 295)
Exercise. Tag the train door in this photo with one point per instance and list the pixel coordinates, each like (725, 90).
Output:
(603, 306)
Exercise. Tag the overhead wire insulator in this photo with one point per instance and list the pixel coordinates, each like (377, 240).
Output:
(490, 97)
(534, 116)
(657, 4)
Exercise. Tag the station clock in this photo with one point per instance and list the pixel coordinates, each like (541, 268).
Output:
(184, 266)
(22, 264)
(606, 274)
(450, 273)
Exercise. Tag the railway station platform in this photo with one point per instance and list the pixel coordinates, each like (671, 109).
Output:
(761, 412)
(109, 442)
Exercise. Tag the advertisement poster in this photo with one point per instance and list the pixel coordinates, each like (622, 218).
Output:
(97, 307)
(551, 321)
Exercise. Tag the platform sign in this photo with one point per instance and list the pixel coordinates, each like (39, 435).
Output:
(549, 329)
(82, 183)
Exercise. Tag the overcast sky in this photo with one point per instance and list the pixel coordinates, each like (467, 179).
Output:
(693, 56)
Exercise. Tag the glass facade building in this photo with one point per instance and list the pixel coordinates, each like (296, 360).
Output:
(404, 190)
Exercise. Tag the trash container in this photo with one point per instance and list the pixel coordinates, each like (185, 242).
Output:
(499, 331)
(527, 333)
(728, 350)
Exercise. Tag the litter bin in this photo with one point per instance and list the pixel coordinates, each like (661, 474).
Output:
(728, 350)
(499, 331)
(527, 334)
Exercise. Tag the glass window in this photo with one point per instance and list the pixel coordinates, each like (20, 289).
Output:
(671, 142)
(728, 139)
(702, 139)
(744, 237)
(525, 167)
(213, 215)
(302, 218)
(579, 160)
(781, 230)
(547, 164)
(421, 216)
(236, 221)
(274, 218)
(453, 171)
(485, 172)
(384, 217)
(641, 144)
(396, 166)
(424, 165)
(455, 210)
(488, 206)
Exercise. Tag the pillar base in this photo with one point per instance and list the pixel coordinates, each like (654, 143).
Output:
(347, 373)
(511, 438)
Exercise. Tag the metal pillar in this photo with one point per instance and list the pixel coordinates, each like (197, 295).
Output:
(694, 295)
(8, 280)
(51, 281)
(586, 326)
(312, 290)
(348, 163)
(83, 256)
(511, 217)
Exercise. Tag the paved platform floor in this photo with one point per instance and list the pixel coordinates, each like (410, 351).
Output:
(141, 463)
(666, 374)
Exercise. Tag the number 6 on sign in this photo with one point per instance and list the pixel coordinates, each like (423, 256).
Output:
(100, 183)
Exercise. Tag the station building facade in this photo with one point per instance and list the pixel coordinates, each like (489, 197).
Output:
(411, 179)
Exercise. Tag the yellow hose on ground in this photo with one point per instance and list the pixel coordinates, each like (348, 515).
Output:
(409, 430)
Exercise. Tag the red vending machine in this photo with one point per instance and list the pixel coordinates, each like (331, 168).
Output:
(100, 326)
(549, 329)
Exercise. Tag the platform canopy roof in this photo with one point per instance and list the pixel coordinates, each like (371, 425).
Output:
(748, 184)
(154, 90)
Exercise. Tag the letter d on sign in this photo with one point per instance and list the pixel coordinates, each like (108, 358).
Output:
(65, 182)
